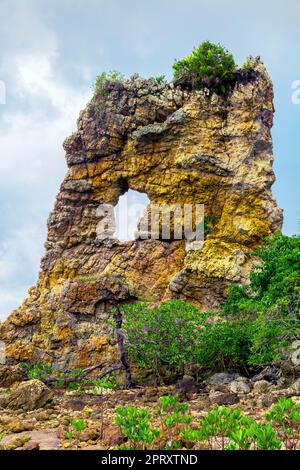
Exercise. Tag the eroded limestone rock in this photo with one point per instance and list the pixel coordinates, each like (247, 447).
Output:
(26, 396)
(179, 147)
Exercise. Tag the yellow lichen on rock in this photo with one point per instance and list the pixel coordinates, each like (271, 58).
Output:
(179, 147)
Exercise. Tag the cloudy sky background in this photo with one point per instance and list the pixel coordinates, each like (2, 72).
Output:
(50, 55)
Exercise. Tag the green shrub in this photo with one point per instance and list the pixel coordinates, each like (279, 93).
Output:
(285, 416)
(37, 370)
(160, 79)
(222, 428)
(136, 427)
(273, 282)
(224, 344)
(104, 383)
(232, 430)
(277, 280)
(209, 65)
(163, 335)
(255, 326)
(76, 373)
(173, 413)
(219, 423)
(271, 304)
(255, 436)
(104, 79)
(78, 424)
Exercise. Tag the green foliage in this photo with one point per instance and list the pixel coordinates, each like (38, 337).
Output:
(232, 430)
(76, 373)
(69, 435)
(160, 79)
(104, 383)
(222, 428)
(102, 81)
(167, 403)
(78, 424)
(277, 281)
(176, 333)
(285, 416)
(78, 386)
(247, 64)
(173, 413)
(209, 65)
(84, 385)
(273, 282)
(256, 324)
(135, 425)
(224, 344)
(58, 383)
(37, 370)
(254, 436)
(271, 304)
(219, 423)
(166, 334)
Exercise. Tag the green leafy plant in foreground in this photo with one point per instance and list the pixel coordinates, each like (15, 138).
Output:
(216, 427)
(173, 415)
(78, 424)
(229, 429)
(222, 428)
(136, 427)
(285, 416)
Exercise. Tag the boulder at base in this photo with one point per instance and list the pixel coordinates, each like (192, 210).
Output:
(27, 396)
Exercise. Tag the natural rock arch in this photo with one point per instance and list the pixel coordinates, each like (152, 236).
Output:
(177, 146)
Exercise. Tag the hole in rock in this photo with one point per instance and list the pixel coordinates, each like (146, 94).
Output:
(128, 212)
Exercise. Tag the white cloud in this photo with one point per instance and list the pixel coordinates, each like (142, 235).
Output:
(32, 164)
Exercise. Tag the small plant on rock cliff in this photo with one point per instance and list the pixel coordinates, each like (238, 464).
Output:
(209, 65)
(103, 80)
(247, 64)
(160, 79)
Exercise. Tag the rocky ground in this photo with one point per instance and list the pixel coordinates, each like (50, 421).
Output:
(36, 417)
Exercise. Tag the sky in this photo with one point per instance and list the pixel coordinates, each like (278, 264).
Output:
(51, 53)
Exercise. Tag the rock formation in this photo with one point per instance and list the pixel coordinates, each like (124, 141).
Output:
(178, 146)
